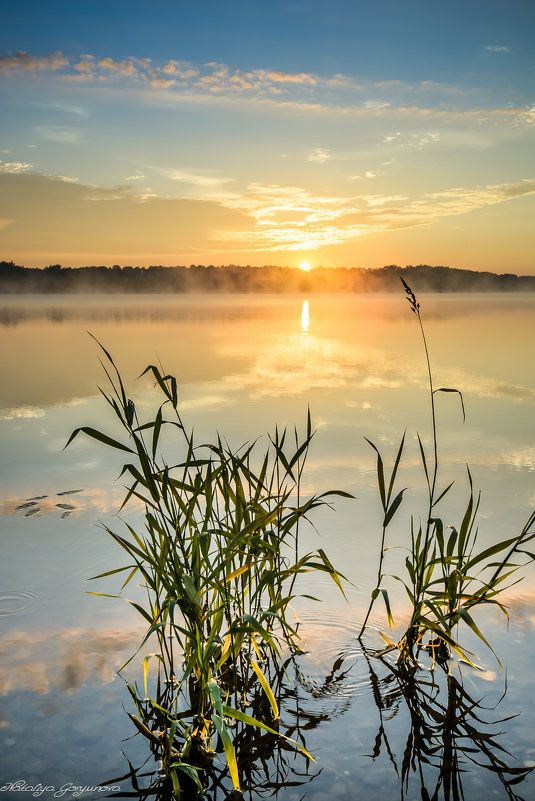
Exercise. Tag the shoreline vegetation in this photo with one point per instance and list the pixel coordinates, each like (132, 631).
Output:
(56, 279)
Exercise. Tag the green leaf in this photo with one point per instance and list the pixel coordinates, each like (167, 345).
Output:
(380, 474)
(392, 509)
(459, 393)
(237, 714)
(267, 689)
(92, 432)
(230, 753)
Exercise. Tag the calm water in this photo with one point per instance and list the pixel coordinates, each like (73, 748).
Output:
(245, 364)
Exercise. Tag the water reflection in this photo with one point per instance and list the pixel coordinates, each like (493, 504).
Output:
(269, 766)
(440, 742)
(244, 364)
(64, 661)
(305, 317)
(448, 737)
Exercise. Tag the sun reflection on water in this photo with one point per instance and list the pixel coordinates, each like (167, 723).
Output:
(305, 318)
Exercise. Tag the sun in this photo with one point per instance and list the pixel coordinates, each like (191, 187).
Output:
(305, 266)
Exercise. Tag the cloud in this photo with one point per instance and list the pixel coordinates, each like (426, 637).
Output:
(289, 218)
(67, 660)
(85, 65)
(119, 67)
(14, 167)
(284, 77)
(319, 155)
(382, 200)
(22, 61)
(262, 218)
(527, 116)
(498, 48)
(180, 69)
(23, 412)
(202, 178)
(376, 105)
(305, 92)
(58, 133)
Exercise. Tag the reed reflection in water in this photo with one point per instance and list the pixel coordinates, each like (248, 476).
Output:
(432, 739)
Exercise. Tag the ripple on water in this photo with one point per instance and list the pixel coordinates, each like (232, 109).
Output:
(334, 665)
(14, 601)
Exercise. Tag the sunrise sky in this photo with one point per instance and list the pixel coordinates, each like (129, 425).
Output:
(341, 133)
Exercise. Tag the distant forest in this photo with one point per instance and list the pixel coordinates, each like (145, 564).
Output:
(231, 278)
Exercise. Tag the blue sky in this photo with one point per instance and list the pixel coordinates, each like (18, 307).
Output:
(341, 133)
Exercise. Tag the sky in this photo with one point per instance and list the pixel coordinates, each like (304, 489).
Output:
(342, 133)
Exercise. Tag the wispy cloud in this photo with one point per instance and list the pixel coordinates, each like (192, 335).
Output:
(498, 48)
(58, 133)
(319, 155)
(204, 178)
(289, 218)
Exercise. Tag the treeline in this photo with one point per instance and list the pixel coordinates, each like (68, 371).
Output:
(232, 278)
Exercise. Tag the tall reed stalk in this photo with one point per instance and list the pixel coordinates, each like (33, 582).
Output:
(447, 577)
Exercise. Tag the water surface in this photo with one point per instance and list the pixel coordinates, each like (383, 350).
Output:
(245, 364)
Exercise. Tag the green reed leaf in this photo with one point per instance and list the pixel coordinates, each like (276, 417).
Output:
(459, 393)
(100, 437)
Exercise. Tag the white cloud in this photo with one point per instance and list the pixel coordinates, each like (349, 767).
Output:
(13, 167)
(527, 116)
(319, 155)
(289, 218)
(202, 178)
(498, 48)
(376, 105)
(383, 200)
(58, 133)
(23, 413)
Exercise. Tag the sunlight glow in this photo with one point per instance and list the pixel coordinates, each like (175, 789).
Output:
(305, 318)
(305, 266)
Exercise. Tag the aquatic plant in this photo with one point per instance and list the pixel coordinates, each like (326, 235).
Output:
(218, 556)
(446, 576)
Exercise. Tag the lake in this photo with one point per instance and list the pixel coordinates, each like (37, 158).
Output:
(244, 365)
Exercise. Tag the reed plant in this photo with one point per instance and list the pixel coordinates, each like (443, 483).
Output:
(447, 576)
(218, 555)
